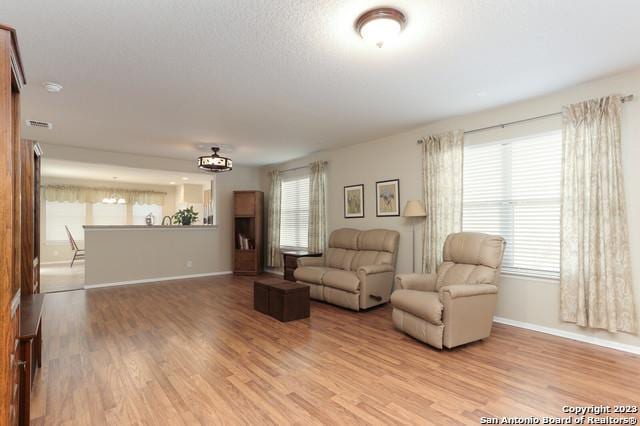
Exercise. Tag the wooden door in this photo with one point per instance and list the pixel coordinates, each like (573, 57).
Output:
(30, 224)
(11, 81)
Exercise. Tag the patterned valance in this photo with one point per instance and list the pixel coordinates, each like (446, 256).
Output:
(81, 194)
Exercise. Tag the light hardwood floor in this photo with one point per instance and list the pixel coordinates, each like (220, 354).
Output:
(61, 277)
(195, 352)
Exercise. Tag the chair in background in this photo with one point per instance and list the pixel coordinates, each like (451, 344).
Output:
(78, 253)
(456, 305)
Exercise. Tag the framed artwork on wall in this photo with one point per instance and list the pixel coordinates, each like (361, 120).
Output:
(388, 198)
(353, 201)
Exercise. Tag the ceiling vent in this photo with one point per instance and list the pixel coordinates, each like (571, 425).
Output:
(41, 124)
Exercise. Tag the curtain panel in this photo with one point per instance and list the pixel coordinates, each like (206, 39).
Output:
(273, 220)
(81, 194)
(318, 207)
(442, 157)
(595, 272)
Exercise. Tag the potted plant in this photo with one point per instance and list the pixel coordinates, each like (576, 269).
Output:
(185, 216)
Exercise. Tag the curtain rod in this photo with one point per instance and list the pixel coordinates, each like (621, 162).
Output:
(623, 99)
(298, 168)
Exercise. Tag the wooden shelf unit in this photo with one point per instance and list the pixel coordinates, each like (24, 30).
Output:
(248, 221)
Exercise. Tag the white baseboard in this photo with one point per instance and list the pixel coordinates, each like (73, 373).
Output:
(159, 279)
(570, 335)
(274, 271)
(60, 262)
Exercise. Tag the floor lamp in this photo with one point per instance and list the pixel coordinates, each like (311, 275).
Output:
(414, 209)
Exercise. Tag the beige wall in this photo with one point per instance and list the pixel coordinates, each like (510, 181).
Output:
(398, 156)
(240, 178)
(131, 254)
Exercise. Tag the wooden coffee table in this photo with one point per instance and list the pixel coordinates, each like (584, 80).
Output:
(283, 300)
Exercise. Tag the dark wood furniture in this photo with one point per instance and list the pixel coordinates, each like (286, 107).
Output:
(283, 300)
(30, 167)
(247, 232)
(30, 349)
(290, 261)
(11, 82)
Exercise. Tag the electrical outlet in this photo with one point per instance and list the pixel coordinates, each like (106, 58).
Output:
(189, 264)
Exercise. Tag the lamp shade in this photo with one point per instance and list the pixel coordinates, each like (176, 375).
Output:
(414, 208)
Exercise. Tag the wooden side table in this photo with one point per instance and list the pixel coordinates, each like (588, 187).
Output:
(30, 348)
(290, 261)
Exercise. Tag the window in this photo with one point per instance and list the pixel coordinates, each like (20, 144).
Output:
(58, 215)
(140, 212)
(109, 214)
(512, 188)
(294, 211)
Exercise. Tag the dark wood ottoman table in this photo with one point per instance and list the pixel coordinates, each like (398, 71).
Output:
(283, 300)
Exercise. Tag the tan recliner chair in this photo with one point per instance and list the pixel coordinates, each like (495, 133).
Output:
(357, 270)
(456, 305)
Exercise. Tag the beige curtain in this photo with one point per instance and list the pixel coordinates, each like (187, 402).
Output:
(442, 186)
(595, 277)
(81, 194)
(273, 221)
(318, 207)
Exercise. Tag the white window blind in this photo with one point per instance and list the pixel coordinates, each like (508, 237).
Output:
(140, 212)
(512, 188)
(109, 214)
(294, 211)
(58, 215)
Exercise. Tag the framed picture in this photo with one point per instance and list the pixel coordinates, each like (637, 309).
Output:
(353, 201)
(388, 198)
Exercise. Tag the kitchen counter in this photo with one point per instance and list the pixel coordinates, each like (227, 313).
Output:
(146, 227)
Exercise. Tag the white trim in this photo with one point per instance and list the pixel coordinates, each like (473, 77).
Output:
(274, 271)
(153, 280)
(570, 335)
(60, 262)
(93, 228)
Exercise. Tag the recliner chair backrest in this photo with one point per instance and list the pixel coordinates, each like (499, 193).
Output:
(350, 248)
(471, 258)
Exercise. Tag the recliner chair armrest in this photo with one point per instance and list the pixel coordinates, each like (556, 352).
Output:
(422, 282)
(376, 282)
(311, 261)
(466, 290)
(375, 269)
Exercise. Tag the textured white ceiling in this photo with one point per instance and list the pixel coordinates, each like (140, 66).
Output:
(55, 168)
(279, 79)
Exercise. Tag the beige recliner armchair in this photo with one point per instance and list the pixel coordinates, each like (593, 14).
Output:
(357, 270)
(456, 305)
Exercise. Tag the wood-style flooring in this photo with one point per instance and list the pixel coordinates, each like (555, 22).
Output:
(195, 352)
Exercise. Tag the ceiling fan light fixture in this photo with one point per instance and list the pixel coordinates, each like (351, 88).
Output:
(215, 163)
(380, 25)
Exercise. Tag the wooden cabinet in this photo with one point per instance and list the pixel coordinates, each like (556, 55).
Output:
(247, 232)
(11, 82)
(244, 203)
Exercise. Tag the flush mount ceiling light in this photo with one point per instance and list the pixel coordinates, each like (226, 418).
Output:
(52, 86)
(380, 25)
(214, 162)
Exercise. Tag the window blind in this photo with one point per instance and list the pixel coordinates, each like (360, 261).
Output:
(58, 214)
(512, 188)
(294, 211)
(109, 214)
(140, 212)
